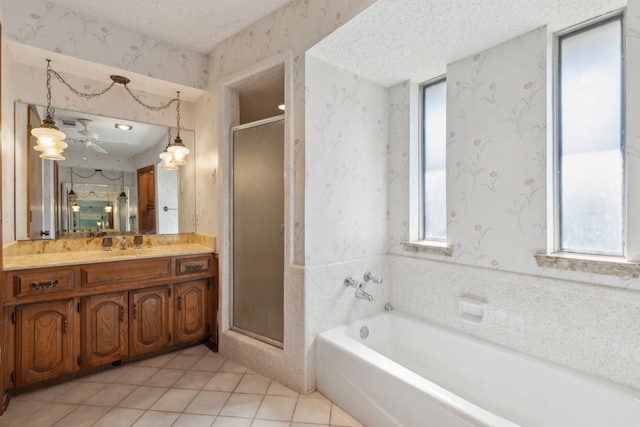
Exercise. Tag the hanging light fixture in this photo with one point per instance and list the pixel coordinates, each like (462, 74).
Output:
(50, 139)
(178, 149)
(122, 198)
(72, 197)
(167, 158)
(109, 207)
(75, 207)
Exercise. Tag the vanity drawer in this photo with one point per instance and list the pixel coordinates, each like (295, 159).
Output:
(111, 273)
(40, 281)
(201, 264)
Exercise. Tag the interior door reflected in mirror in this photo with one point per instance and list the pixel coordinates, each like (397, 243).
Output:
(111, 157)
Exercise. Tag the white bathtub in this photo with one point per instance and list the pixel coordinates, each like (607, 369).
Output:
(411, 373)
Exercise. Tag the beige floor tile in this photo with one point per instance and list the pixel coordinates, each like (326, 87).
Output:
(253, 383)
(316, 395)
(232, 367)
(47, 415)
(209, 363)
(165, 377)
(48, 394)
(156, 362)
(137, 375)
(19, 409)
(308, 425)
(107, 376)
(174, 400)
(84, 415)
(156, 419)
(119, 417)
(208, 403)
(194, 420)
(277, 408)
(232, 422)
(242, 405)
(312, 410)
(223, 381)
(194, 379)
(197, 350)
(280, 390)
(270, 423)
(80, 393)
(111, 395)
(182, 362)
(142, 397)
(340, 418)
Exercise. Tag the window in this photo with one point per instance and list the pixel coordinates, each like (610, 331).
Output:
(433, 167)
(591, 191)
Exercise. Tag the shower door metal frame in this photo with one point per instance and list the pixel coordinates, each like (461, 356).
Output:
(232, 326)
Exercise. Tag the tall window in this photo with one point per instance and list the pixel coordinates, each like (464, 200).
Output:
(590, 140)
(434, 145)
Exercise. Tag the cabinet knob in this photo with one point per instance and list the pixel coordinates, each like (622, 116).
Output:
(179, 303)
(65, 325)
(135, 311)
(122, 314)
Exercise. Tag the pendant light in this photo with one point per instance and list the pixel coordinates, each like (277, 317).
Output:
(122, 198)
(108, 208)
(178, 149)
(72, 197)
(50, 139)
(167, 158)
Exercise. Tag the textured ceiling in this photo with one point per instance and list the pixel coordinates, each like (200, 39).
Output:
(397, 40)
(195, 24)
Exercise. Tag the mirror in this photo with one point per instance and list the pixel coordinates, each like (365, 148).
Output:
(101, 162)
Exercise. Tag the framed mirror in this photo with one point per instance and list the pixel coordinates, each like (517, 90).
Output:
(105, 159)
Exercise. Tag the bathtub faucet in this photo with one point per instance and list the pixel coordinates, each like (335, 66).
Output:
(360, 293)
(370, 276)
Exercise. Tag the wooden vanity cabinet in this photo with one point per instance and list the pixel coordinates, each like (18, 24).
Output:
(105, 328)
(44, 341)
(81, 317)
(190, 311)
(149, 311)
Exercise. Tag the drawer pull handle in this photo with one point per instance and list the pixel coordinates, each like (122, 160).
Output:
(194, 267)
(179, 303)
(47, 284)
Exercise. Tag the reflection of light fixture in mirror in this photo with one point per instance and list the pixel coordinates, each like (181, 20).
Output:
(122, 198)
(177, 150)
(281, 107)
(72, 197)
(75, 207)
(108, 208)
(167, 158)
(122, 126)
(50, 139)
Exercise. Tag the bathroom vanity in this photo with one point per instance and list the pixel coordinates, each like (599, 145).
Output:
(67, 314)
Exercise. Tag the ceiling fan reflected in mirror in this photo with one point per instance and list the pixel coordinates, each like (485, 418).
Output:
(89, 137)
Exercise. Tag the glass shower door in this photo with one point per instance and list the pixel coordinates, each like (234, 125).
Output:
(258, 230)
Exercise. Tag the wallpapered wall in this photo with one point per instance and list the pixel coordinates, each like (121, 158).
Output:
(48, 26)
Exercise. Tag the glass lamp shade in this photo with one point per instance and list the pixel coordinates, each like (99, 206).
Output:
(122, 198)
(72, 197)
(108, 208)
(75, 207)
(52, 154)
(167, 160)
(49, 137)
(178, 151)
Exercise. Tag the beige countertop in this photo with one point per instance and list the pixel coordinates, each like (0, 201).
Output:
(58, 259)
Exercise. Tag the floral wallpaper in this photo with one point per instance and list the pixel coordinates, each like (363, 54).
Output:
(51, 27)
(346, 165)
(496, 154)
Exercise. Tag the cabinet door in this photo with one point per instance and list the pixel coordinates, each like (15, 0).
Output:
(44, 341)
(104, 328)
(190, 311)
(149, 325)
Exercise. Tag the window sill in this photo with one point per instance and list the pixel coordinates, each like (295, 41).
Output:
(427, 247)
(596, 265)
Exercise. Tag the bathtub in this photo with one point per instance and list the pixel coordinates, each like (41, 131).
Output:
(411, 373)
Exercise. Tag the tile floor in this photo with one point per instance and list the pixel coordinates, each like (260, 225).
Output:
(192, 387)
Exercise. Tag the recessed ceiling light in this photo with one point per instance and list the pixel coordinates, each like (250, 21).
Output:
(123, 126)
(281, 107)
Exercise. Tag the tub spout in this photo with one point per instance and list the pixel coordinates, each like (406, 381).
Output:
(360, 293)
